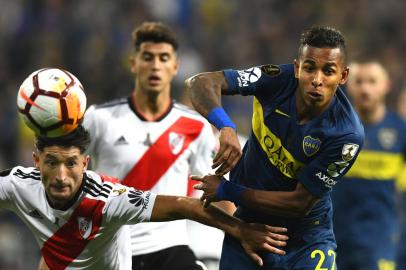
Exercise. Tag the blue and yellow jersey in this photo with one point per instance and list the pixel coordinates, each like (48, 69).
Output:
(365, 197)
(280, 152)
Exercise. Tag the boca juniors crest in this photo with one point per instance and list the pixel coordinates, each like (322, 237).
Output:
(311, 145)
(85, 227)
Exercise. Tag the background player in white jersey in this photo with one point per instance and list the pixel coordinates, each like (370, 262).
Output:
(75, 214)
(151, 142)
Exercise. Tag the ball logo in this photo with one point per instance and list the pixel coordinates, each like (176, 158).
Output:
(247, 76)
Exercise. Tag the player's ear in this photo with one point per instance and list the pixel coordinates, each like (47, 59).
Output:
(86, 161)
(132, 63)
(296, 68)
(35, 158)
(344, 75)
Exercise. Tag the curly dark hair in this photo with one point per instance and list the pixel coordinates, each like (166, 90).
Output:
(154, 32)
(79, 138)
(323, 37)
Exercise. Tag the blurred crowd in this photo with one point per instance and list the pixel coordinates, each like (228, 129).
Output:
(92, 39)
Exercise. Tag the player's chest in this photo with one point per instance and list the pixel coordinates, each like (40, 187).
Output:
(160, 140)
(384, 138)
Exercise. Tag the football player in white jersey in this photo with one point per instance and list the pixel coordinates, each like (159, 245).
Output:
(75, 214)
(151, 142)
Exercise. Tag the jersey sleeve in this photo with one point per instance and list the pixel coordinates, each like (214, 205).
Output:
(91, 125)
(320, 175)
(202, 159)
(6, 188)
(127, 205)
(259, 80)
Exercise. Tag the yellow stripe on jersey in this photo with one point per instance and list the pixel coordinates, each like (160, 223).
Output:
(401, 180)
(374, 165)
(278, 155)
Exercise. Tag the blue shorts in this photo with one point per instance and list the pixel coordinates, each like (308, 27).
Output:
(309, 256)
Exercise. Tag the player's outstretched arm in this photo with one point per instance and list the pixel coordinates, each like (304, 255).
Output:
(253, 237)
(205, 91)
(295, 203)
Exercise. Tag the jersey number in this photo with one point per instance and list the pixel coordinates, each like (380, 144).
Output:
(322, 256)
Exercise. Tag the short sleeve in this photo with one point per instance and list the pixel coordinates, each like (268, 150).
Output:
(202, 159)
(127, 205)
(90, 124)
(6, 189)
(336, 158)
(257, 80)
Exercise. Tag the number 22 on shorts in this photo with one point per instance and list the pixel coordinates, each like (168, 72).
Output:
(317, 253)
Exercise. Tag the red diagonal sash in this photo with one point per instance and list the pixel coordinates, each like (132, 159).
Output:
(67, 243)
(159, 157)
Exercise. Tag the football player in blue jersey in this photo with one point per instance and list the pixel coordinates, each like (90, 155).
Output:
(365, 216)
(305, 136)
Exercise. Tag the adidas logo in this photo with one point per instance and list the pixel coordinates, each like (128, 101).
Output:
(34, 213)
(121, 141)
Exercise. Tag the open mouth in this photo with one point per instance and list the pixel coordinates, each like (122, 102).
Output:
(153, 79)
(315, 95)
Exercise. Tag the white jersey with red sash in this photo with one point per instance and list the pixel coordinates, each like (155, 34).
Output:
(151, 155)
(83, 236)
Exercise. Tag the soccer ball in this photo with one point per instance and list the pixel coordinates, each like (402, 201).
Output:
(51, 102)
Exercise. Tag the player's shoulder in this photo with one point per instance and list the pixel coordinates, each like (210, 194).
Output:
(345, 117)
(22, 176)
(96, 186)
(186, 111)
(112, 103)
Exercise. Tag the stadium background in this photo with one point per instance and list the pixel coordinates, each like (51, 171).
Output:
(92, 39)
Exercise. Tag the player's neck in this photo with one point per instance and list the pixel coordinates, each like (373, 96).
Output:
(373, 116)
(151, 105)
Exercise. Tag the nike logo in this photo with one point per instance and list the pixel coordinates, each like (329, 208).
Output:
(281, 113)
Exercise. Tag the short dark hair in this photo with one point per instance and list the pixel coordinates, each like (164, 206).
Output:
(154, 32)
(79, 138)
(323, 37)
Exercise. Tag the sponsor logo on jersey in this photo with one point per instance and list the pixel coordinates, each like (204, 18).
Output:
(277, 154)
(35, 214)
(349, 151)
(271, 70)
(85, 227)
(311, 145)
(176, 141)
(327, 180)
(139, 198)
(121, 141)
(387, 137)
(251, 75)
(337, 168)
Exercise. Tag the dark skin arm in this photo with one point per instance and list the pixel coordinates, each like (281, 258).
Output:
(253, 237)
(295, 203)
(205, 91)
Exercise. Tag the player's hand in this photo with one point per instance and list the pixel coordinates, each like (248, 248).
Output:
(208, 184)
(259, 237)
(229, 152)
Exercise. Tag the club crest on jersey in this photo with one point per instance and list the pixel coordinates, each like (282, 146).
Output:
(176, 141)
(349, 151)
(85, 227)
(311, 145)
(387, 137)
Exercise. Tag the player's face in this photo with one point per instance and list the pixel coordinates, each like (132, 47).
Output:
(319, 72)
(61, 172)
(368, 86)
(154, 65)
